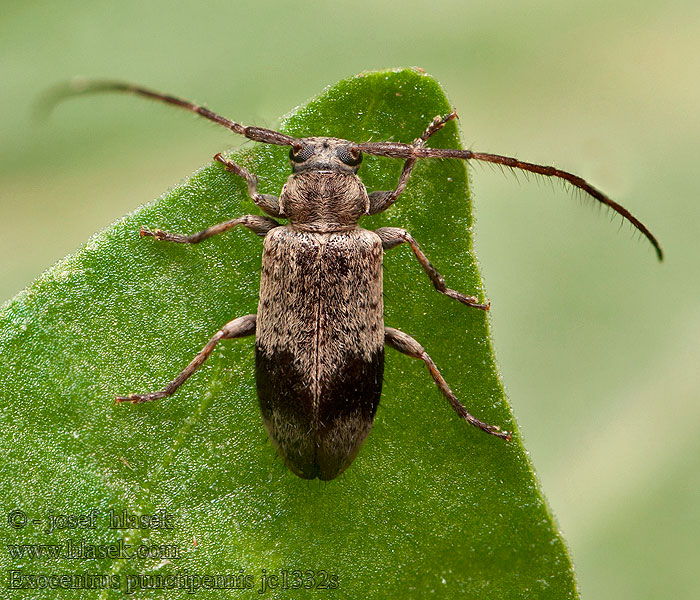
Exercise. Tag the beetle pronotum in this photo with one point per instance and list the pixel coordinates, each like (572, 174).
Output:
(319, 330)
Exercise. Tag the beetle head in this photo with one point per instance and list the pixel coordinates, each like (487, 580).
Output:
(325, 154)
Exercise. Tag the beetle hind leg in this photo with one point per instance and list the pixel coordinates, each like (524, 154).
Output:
(405, 344)
(241, 327)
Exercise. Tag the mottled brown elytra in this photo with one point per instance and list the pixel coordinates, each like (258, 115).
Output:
(319, 330)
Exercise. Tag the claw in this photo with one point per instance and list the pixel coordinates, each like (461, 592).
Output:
(137, 398)
(505, 435)
(129, 398)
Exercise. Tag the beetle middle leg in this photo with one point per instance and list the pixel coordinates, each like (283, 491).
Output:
(393, 236)
(405, 344)
(257, 224)
(240, 327)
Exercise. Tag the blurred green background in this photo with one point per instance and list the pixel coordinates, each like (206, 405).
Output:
(597, 342)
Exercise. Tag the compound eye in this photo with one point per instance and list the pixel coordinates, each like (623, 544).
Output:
(350, 156)
(300, 152)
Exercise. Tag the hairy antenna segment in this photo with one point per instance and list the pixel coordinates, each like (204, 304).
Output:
(406, 151)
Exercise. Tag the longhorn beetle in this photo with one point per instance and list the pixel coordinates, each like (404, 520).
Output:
(319, 330)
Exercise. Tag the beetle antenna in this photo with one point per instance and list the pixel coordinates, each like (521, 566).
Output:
(77, 87)
(398, 150)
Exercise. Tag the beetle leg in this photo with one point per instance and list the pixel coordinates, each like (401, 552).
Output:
(393, 236)
(405, 344)
(257, 224)
(269, 203)
(241, 327)
(380, 201)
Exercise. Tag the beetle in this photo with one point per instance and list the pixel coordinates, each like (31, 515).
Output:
(319, 329)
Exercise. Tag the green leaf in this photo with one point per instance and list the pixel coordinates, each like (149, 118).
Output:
(430, 506)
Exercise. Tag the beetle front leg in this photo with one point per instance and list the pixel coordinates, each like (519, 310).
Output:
(393, 236)
(257, 224)
(380, 201)
(405, 344)
(241, 327)
(269, 203)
